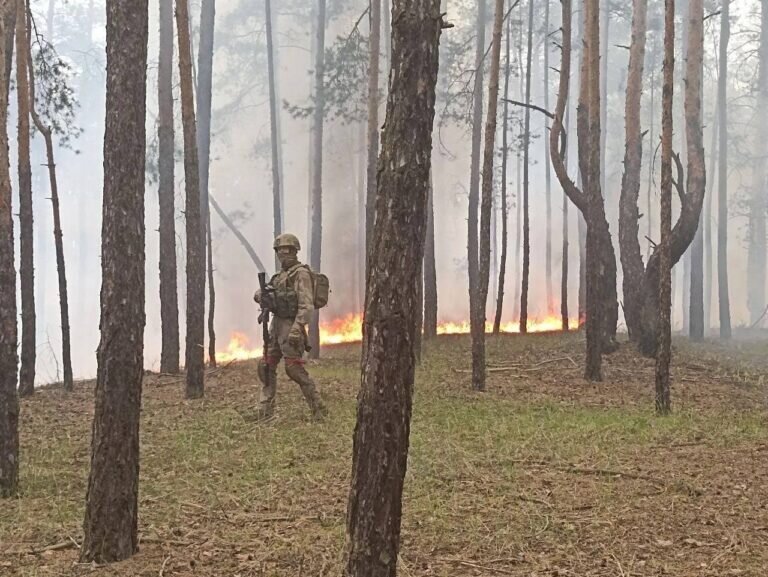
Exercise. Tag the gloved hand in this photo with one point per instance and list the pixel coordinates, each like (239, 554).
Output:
(296, 336)
(257, 296)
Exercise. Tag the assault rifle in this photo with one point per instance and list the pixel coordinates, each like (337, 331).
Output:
(267, 304)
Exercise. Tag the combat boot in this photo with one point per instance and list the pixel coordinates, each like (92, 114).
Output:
(298, 374)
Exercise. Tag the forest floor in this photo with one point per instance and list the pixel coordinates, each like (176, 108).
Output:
(542, 475)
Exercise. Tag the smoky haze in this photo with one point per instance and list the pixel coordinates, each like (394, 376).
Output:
(240, 173)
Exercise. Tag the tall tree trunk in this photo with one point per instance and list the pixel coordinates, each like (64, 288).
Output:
(695, 145)
(274, 111)
(683, 10)
(565, 321)
(430, 269)
(380, 450)
(111, 511)
(373, 118)
(47, 134)
(204, 100)
(547, 172)
(478, 338)
(683, 232)
(526, 184)
(664, 330)
(756, 258)
(504, 203)
(629, 214)
(315, 257)
(594, 215)
(26, 223)
(169, 298)
(708, 248)
(476, 314)
(9, 362)
(10, 37)
(722, 188)
(195, 386)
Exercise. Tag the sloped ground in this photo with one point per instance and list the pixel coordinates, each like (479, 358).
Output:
(542, 475)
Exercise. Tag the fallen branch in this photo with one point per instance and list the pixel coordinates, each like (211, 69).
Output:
(477, 566)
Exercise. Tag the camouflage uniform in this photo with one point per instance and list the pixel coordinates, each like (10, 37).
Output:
(294, 304)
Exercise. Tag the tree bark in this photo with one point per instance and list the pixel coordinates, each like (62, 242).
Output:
(380, 449)
(696, 183)
(169, 298)
(478, 338)
(26, 219)
(526, 183)
(547, 172)
(756, 256)
(195, 382)
(722, 188)
(204, 101)
(374, 50)
(111, 512)
(315, 257)
(565, 321)
(476, 313)
(629, 215)
(47, 134)
(690, 213)
(430, 269)
(504, 203)
(664, 329)
(9, 401)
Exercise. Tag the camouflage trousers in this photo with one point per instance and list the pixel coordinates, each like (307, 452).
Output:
(280, 348)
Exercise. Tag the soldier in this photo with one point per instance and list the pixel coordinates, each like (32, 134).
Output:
(293, 304)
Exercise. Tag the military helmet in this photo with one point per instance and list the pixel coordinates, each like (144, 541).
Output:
(287, 239)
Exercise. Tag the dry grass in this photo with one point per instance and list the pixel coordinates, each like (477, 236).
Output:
(542, 475)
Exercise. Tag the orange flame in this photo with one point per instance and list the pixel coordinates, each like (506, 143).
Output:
(349, 329)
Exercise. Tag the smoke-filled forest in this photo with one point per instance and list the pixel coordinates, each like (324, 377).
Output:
(383, 287)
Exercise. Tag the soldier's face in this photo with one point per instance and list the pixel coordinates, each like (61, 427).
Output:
(285, 254)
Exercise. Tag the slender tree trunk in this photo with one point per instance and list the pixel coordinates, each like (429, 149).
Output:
(195, 386)
(664, 334)
(46, 132)
(695, 145)
(380, 450)
(526, 184)
(547, 172)
(9, 361)
(111, 511)
(690, 214)
(373, 118)
(708, 249)
(504, 203)
(430, 269)
(722, 189)
(476, 313)
(756, 258)
(169, 298)
(204, 100)
(595, 216)
(26, 221)
(274, 111)
(478, 338)
(315, 257)
(519, 183)
(565, 321)
(629, 214)
(581, 221)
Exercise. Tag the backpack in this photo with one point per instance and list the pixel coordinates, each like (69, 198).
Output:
(320, 286)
